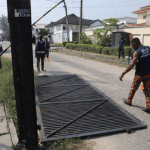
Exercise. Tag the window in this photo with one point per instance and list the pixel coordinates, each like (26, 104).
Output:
(144, 17)
(64, 28)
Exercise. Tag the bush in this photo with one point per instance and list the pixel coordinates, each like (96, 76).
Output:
(99, 49)
(107, 51)
(64, 43)
(128, 50)
(115, 51)
(75, 42)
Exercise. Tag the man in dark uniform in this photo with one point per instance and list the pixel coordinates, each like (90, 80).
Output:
(141, 58)
(121, 47)
(40, 53)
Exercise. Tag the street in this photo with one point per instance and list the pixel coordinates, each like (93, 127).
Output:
(105, 78)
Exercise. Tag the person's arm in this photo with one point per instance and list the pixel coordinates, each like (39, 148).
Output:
(134, 60)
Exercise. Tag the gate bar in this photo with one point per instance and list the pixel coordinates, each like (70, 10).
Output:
(56, 80)
(75, 119)
(64, 93)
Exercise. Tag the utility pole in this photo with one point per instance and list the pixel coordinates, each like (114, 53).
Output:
(66, 21)
(80, 22)
(19, 17)
(81, 16)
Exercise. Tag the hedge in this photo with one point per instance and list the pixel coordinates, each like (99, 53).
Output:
(64, 43)
(99, 49)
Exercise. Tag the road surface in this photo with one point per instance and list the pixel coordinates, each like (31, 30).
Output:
(105, 78)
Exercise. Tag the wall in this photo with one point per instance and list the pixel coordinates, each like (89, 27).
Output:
(140, 18)
(148, 18)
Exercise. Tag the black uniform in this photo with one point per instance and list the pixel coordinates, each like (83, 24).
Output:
(40, 53)
(121, 47)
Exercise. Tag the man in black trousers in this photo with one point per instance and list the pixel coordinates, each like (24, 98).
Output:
(40, 53)
(121, 47)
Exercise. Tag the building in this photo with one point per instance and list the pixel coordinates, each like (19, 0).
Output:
(127, 20)
(39, 27)
(140, 30)
(143, 15)
(58, 29)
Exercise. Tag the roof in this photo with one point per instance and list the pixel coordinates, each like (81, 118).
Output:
(142, 10)
(72, 19)
(138, 25)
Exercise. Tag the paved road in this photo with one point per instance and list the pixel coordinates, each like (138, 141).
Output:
(105, 78)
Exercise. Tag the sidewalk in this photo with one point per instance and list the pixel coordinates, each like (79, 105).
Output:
(7, 139)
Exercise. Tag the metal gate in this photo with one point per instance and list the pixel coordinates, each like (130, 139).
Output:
(67, 107)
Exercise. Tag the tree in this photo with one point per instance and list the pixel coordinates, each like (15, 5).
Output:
(43, 32)
(4, 26)
(83, 39)
(103, 36)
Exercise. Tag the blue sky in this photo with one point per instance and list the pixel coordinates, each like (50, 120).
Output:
(92, 9)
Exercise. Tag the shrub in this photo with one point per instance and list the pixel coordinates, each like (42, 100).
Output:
(75, 42)
(92, 48)
(99, 49)
(128, 50)
(115, 51)
(64, 43)
(107, 51)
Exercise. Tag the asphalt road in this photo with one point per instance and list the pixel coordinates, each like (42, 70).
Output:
(105, 78)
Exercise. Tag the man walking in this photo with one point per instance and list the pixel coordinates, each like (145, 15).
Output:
(47, 45)
(141, 58)
(121, 47)
(40, 53)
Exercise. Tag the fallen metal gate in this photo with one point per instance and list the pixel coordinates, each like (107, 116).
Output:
(67, 107)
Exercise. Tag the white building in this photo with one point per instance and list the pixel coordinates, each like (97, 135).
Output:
(58, 29)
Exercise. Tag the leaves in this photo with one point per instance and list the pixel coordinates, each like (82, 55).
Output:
(103, 36)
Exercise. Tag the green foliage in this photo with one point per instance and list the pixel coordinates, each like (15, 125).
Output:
(128, 50)
(75, 42)
(101, 35)
(115, 51)
(43, 32)
(64, 43)
(83, 39)
(81, 47)
(7, 92)
(99, 49)
(107, 51)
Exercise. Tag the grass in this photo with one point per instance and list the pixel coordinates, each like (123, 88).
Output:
(7, 92)
(7, 98)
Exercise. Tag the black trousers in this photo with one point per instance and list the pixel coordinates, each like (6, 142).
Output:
(40, 56)
(121, 49)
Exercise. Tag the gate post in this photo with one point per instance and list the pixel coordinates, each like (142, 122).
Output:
(19, 16)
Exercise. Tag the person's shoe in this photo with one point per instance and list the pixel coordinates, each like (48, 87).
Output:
(127, 102)
(43, 70)
(146, 110)
(39, 71)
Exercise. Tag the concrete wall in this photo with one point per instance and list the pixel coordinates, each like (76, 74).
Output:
(148, 18)
(140, 18)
